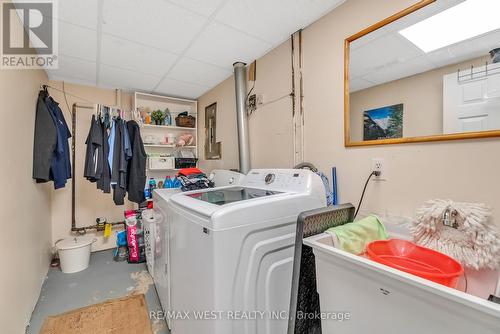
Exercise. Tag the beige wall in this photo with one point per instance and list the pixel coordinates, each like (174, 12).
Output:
(90, 202)
(460, 170)
(25, 225)
(421, 94)
(226, 131)
(270, 126)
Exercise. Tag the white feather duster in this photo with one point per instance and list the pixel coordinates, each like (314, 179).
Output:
(475, 242)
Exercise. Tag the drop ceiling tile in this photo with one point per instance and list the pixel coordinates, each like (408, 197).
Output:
(135, 57)
(359, 84)
(466, 50)
(110, 76)
(71, 68)
(202, 7)
(77, 12)
(77, 41)
(134, 32)
(173, 87)
(386, 51)
(83, 13)
(273, 21)
(399, 70)
(193, 71)
(222, 46)
(156, 23)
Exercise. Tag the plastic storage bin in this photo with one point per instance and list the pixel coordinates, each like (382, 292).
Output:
(161, 163)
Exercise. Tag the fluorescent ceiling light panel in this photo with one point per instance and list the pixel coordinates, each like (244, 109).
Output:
(466, 20)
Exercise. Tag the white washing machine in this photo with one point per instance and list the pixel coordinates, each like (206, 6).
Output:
(231, 252)
(157, 251)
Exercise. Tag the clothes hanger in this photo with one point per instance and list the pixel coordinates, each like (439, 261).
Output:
(43, 88)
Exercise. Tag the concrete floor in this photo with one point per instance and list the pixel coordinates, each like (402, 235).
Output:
(104, 279)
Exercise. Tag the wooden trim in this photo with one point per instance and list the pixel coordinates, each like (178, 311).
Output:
(347, 114)
(347, 123)
(390, 19)
(422, 139)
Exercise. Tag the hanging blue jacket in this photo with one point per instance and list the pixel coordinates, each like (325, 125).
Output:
(60, 164)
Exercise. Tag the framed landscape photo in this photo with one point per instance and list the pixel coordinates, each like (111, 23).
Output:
(383, 123)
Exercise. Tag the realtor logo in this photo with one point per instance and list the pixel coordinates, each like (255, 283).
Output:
(29, 34)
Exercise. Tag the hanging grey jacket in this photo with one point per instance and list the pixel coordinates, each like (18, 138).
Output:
(44, 142)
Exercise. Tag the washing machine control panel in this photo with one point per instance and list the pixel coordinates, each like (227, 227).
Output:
(270, 178)
(278, 179)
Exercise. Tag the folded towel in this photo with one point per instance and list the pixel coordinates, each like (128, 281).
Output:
(353, 237)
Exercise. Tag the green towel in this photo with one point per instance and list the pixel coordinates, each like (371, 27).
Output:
(353, 237)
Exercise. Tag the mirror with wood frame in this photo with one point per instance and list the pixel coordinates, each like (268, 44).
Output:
(428, 73)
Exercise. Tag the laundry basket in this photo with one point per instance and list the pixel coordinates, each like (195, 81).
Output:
(74, 253)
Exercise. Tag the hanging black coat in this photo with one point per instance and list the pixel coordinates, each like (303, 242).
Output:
(136, 171)
(45, 140)
(93, 165)
(104, 181)
(119, 169)
(60, 168)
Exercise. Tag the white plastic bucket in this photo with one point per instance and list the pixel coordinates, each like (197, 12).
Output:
(74, 253)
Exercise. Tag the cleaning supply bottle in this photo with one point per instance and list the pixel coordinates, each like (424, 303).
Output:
(176, 183)
(168, 182)
(152, 186)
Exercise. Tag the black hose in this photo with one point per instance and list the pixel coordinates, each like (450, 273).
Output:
(306, 165)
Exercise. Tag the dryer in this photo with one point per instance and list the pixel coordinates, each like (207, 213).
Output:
(231, 251)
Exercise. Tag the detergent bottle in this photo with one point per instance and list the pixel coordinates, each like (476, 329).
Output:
(168, 182)
(176, 183)
(152, 186)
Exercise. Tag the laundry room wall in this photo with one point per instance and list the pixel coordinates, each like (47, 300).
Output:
(226, 132)
(26, 212)
(461, 170)
(270, 126)
(90, 202)
(464, 170)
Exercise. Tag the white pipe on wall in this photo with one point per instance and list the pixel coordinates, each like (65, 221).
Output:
(241, 113)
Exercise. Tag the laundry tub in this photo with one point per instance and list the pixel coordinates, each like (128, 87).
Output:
(381, 299)
(74, 253)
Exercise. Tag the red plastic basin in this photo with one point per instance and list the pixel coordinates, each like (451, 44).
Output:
(417, 260)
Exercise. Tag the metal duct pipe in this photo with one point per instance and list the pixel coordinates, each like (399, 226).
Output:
(240, 80)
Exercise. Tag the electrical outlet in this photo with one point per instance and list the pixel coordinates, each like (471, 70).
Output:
(378, 166)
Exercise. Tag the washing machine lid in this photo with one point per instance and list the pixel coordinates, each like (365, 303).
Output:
(208, 201)
(231, 195)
